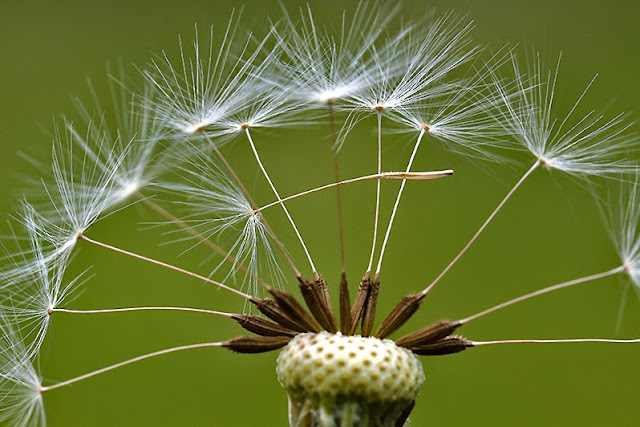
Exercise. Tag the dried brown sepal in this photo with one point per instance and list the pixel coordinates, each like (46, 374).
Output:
(429, 333)
(369, 312)
(248, 344)
(402, 312)
(448, 345)
(405, 414)
(295, 310)
(270, 308)
(345, 305)
(262, 326)
(314, 297)
(358, 304)
(329, 307)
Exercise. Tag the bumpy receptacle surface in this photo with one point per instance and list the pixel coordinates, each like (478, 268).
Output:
(331, 369)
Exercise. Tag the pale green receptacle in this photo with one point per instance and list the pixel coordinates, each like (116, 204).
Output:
(339, 380)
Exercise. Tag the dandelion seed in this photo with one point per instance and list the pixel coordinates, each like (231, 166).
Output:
(577, 145)
(82, 191)
(422, 56)
(199, 92)
(461, 120)
(221, 94)
(322, 68)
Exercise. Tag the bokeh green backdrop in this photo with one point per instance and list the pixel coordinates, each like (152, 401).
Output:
(550, 232)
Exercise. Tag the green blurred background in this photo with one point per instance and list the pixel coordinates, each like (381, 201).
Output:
(549, 233)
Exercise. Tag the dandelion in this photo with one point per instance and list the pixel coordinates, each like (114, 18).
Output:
(33, 285)
(411, 66)
(222, 95)
(462, 120)
(341, 366)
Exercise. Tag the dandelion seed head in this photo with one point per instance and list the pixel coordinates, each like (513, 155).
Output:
(376, 370)
(321, 372)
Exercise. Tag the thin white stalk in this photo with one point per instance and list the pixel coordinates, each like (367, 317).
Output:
(545, 291)
(572, 340)
(134, 309)
(377, 214)
(128, 362)
(286, 211)
(397, 203)
(165, 265)
(405, 176)
(336, 169)
(481, 229)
